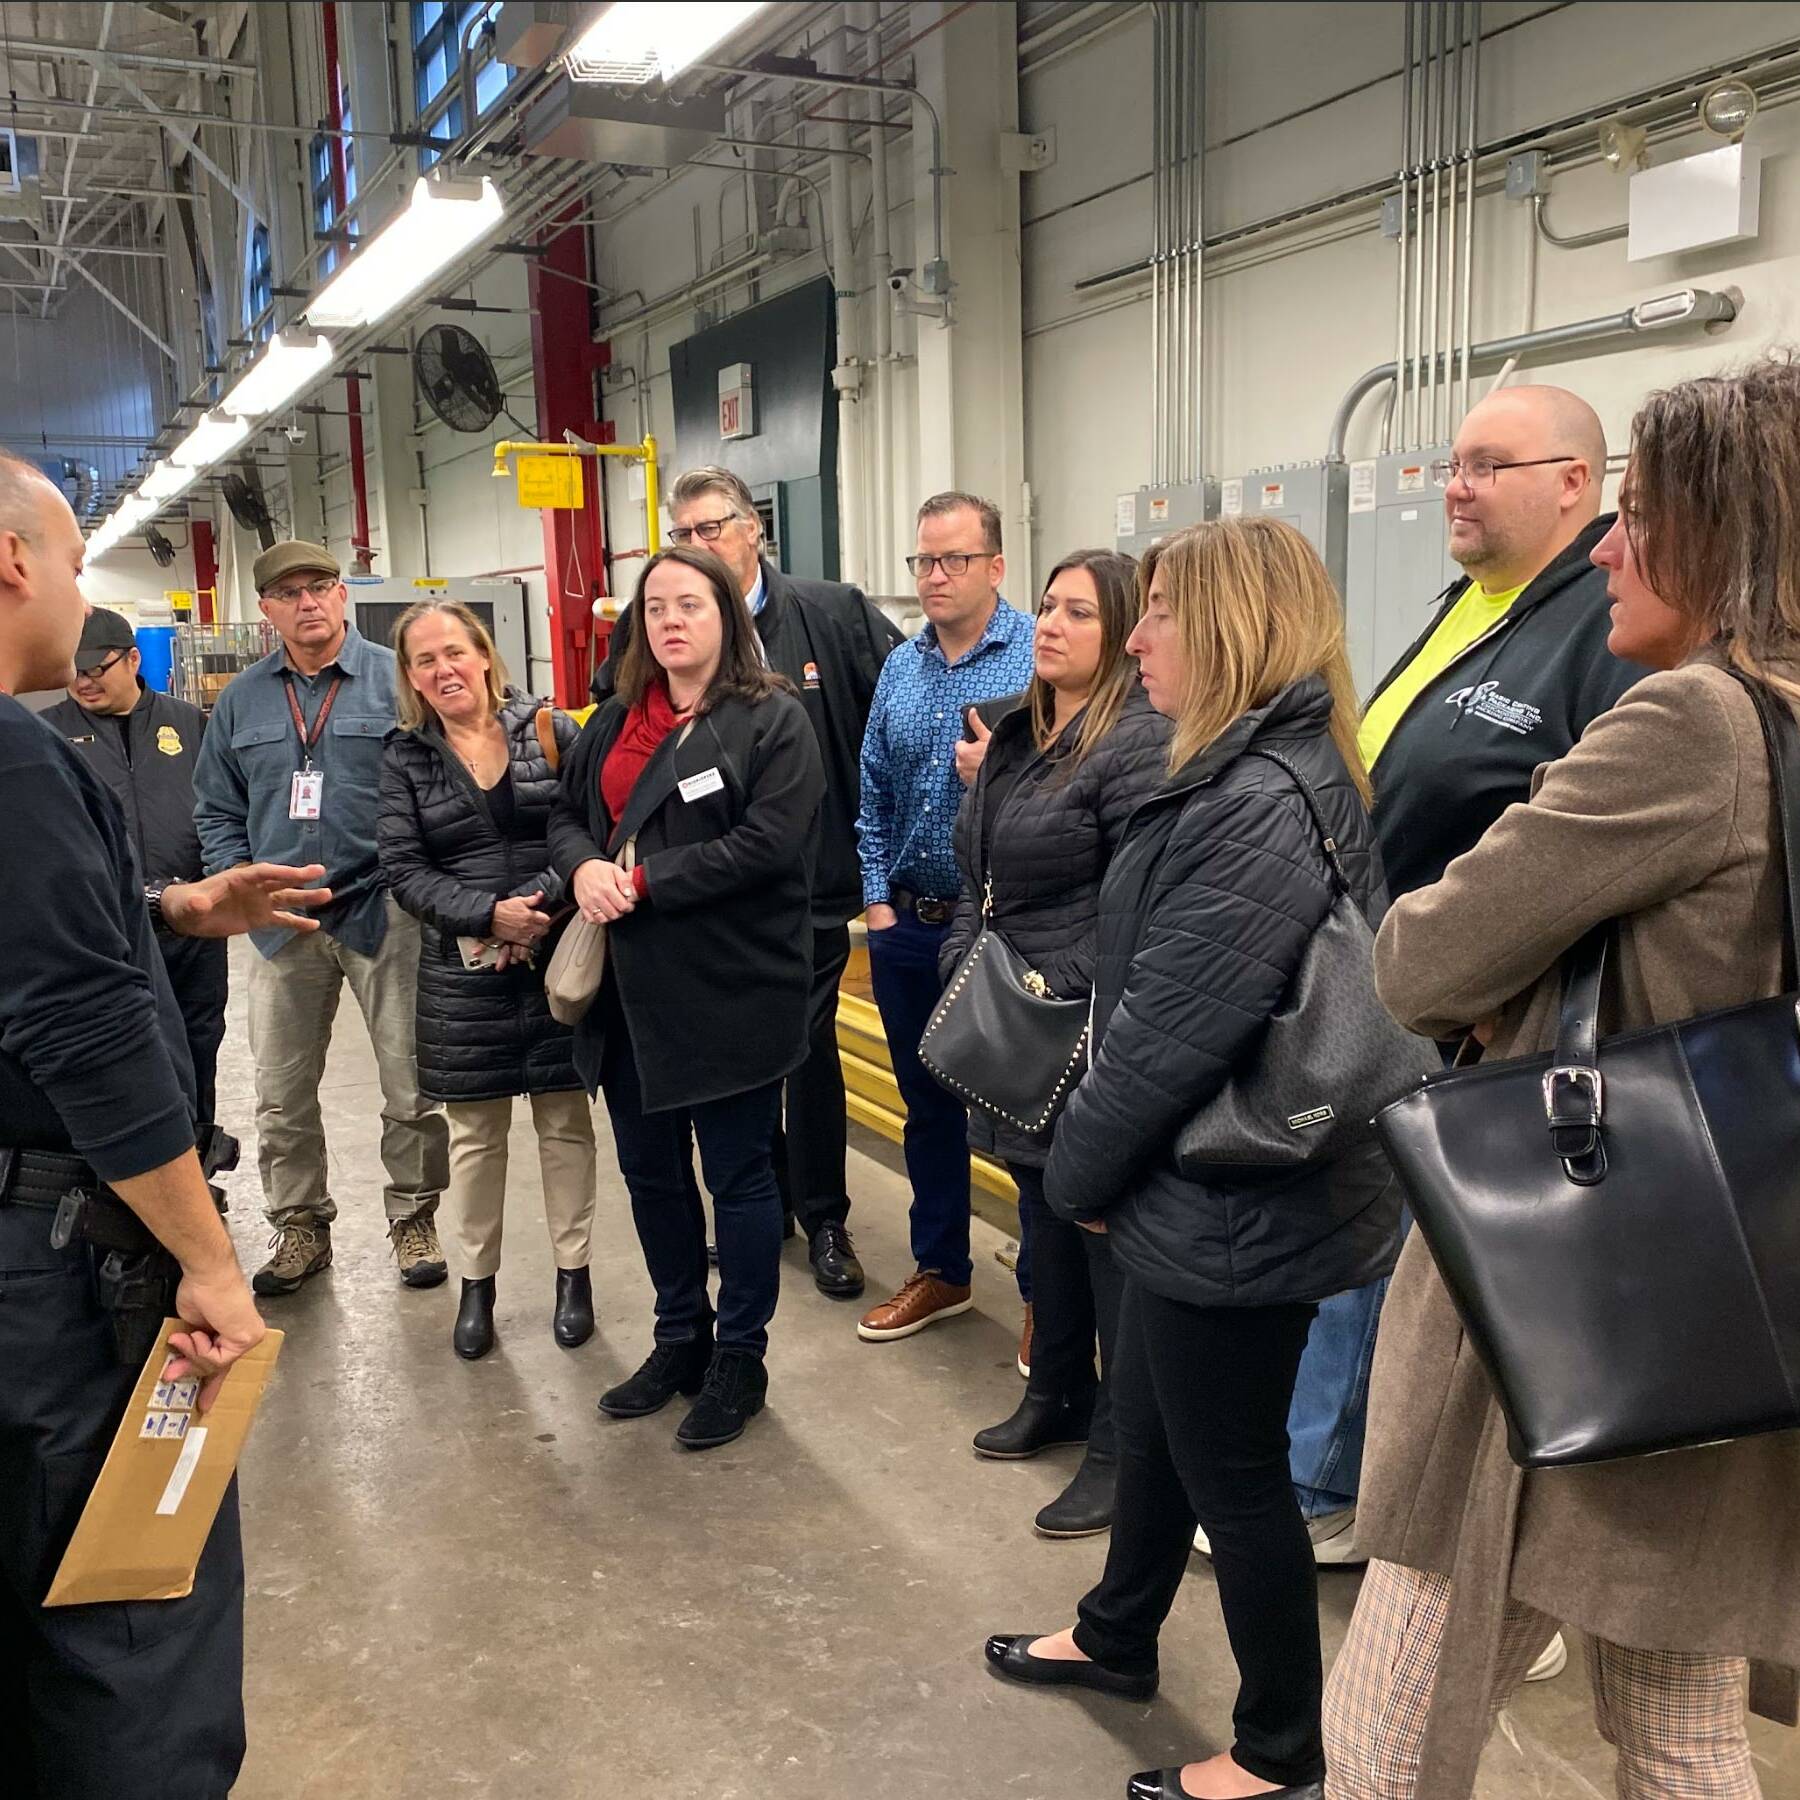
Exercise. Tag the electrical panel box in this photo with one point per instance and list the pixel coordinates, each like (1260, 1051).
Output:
(376, 603)
(1146, 517)
(1310, 496)
(1397, 560)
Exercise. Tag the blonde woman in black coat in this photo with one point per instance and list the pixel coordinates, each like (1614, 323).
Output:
(1062, 774)
(467, 787)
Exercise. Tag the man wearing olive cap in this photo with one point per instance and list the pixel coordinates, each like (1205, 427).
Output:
(292, 762)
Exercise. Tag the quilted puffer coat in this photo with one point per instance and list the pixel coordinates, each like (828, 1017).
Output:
(482, 1034)
(1046, 850)
(1205, 913)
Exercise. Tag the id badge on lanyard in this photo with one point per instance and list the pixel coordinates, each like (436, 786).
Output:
(306, 798)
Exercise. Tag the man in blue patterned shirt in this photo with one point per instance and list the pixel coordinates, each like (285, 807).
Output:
(974, 647)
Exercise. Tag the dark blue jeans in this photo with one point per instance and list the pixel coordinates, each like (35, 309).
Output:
(903, 968)
(736, 1136)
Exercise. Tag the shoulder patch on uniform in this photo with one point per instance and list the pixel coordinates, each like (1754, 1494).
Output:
(168, 740)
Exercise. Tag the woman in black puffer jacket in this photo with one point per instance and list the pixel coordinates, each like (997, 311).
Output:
(1062, 774)
(1208, 906)
(467, 785)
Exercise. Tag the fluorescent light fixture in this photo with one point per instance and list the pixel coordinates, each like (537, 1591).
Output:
(167, 482)
(445, 217)
(290, 361)
(215, 436)
(132, 512)
(635, 40)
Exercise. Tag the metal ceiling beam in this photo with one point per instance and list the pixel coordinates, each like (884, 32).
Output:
(172, 124)
(138, 59)
(100, 288)
(87, 120)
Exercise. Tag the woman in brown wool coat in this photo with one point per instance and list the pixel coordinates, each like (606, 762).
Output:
(1677, 1567)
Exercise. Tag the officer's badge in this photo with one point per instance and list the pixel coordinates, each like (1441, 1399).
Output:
(168, 740)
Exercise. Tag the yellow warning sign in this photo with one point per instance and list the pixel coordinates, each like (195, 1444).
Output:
(179, 599)
(431, 581)
(550, 481)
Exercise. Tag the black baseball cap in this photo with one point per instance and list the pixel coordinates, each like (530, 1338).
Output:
(105, 634)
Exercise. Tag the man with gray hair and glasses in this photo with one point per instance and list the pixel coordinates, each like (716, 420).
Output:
(290, 771)
(1510, 668)
(830, 642)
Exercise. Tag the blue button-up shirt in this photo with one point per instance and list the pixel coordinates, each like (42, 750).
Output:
(243, 782)
(910, 792)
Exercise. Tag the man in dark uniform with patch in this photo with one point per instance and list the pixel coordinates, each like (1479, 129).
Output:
(142, 744)
(830, 642)
(106, 1225)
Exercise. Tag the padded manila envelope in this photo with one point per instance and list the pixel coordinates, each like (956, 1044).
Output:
(152, 1509)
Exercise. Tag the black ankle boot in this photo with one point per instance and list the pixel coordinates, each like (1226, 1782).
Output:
(1085, 1507)
(474, 1333)
(668, 1370)
(573, 1320)
(732, 1396)
(1042, 1422)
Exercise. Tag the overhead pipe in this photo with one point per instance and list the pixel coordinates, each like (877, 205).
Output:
(1416, 344)
(1686, 306)
(1402, 293)
(846, 377)
(1158, 188)
(881, 249)
(1471, 155)
(362, 561)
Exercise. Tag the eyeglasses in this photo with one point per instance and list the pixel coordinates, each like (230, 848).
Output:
(102, 668)
(708, 531)
(954, 562)
(317, 589)
(1479, 471)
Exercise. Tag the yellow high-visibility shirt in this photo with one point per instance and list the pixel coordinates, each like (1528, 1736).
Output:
(1475, 614)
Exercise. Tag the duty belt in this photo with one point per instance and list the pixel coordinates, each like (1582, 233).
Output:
(85, 1207)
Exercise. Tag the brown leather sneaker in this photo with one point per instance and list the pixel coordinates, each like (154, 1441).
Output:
(1025, 1345)
(924, 1300)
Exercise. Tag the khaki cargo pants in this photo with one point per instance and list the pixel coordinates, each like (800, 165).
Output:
(293, 1000)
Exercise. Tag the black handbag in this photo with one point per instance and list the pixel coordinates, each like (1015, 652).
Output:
(1618, 1223)
(1000, 1040)
(1330, 1059)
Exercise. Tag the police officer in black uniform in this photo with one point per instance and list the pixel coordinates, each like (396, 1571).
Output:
(106, 1224)
(142, 744)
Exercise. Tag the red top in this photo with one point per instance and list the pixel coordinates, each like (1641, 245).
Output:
(645, 727)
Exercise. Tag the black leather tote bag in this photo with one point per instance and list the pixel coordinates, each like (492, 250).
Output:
(1618, 1222)
(1000, 1040)
(1331, 1058)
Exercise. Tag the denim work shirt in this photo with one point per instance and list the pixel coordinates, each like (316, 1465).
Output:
(243, 782)
(910, 790)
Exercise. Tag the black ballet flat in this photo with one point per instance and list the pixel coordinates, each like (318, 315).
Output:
(1165, 1784)
(1011, 1657)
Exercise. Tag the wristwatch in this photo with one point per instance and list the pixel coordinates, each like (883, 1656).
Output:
(153, 896)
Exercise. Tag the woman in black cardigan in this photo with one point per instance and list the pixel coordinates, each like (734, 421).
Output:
(467, 786)
(1062, 774)
(686, 824)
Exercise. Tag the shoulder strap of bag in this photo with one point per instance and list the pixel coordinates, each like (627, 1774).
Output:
(1333, 860)
(545, 721)
(1573, 1095)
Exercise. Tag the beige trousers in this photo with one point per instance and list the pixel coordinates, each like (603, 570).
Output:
(478, 1148)
(294, 998)
(1676, 1720)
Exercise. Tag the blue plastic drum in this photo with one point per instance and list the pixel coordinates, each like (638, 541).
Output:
(156, 645)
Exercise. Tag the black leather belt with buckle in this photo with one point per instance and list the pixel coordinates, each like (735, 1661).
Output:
(926, 908)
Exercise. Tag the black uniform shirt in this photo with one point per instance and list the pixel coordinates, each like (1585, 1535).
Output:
(93, 1054)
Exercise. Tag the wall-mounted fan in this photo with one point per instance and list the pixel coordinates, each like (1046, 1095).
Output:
(249, 508)
(160, 547)
(457, 379)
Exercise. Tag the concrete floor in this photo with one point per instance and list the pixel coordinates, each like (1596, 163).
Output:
(464, 1581)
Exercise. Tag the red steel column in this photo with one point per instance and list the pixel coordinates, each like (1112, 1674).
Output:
(206, 571)
(361, 559)
(564, 362)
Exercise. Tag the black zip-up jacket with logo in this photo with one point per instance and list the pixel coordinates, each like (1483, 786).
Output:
(1518, 697)
(830, 641)
(483, 1034)
(154, 783)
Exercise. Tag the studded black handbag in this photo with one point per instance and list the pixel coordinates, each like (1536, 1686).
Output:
(1000, 1040)
(1618, 1222)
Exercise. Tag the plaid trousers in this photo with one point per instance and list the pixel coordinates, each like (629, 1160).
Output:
(1676, 1720)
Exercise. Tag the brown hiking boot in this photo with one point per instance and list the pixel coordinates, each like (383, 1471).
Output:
(302, 1248)
(921, 1302)
(416, 1249)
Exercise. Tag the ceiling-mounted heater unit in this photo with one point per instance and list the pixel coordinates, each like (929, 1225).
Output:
(9, 160)
(604, 124)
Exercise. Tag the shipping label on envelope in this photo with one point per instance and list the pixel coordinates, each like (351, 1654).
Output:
(152, 1509)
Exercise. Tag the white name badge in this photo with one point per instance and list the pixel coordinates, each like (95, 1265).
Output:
(697, 787)
(308, 794)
